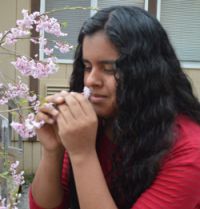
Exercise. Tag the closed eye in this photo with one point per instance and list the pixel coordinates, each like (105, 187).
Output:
(87, 67)
(110, 71)
(110, 68)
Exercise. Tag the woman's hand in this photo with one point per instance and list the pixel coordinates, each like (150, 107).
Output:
(48, 133)
(77, 125)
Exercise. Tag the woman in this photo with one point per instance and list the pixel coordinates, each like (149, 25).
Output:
(135, 143)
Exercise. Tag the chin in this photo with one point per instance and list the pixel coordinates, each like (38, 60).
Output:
(105, 115)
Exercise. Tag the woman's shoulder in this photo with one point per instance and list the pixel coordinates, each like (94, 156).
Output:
(187, 132)
(187, 141)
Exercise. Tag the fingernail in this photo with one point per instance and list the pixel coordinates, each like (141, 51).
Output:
(55, 112)
(51, 121)
(59, 99)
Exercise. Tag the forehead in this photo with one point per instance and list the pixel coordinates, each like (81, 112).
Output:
(99, 47)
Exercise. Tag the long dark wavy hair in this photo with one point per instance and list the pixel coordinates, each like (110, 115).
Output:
(152, 90)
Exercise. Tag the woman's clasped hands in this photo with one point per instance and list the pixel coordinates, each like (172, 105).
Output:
(70, 124)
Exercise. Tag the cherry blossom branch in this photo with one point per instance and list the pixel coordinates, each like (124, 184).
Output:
(9, 51)
(17, 109)
(2, 38)
(70, 8)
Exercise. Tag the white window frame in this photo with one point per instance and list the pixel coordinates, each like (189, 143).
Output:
(184, 64)
(93, 4)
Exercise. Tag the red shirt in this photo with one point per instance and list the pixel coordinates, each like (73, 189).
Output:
(177, 185)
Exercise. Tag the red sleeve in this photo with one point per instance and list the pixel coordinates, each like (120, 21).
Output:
(177, 185)
(65, 203)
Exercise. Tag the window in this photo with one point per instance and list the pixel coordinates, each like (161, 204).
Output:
(181, 19)
(75, 18)
(106, 3)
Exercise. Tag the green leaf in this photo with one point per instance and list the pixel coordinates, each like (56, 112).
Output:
(14, 114)
(64, 24)
(4, 174)
(22, 101)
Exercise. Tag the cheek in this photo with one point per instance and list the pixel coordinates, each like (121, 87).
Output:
(84, 78)
(112, 89)
(112, 85)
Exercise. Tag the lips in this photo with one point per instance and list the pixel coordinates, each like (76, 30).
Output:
(97, 98)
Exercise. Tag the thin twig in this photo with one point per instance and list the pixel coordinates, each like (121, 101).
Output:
(16, 109)
(1, 41)
(70, 8)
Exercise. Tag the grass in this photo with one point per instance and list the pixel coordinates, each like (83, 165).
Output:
(28, 178)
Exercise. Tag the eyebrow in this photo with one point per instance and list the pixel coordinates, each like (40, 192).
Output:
(102, 61)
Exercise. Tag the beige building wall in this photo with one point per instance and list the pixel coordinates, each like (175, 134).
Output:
(194, 76)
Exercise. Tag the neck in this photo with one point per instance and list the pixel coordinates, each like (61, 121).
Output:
(108, 130)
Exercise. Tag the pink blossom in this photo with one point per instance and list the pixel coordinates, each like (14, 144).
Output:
(36, 14)
(3, 100)
(49, 105)
(38, 124)
(10, 39)
(42, 41)
(49, 25)
(36, 105)
(23, 65)
(28, 20)
(40, 70)
(18, 178)
(63, 48)
(32, 98)
(22, 130)
(48, 51)
(86, 92)
(20, 90)
(14, 34)
(14, 166)
(36, 69)
(34, 40)
(18, 33)
(26, 129)
(51, 67)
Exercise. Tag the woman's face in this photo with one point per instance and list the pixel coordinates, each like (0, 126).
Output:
(99, 56)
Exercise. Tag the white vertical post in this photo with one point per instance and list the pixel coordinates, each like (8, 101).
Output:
(158, 9)
(146, 5)
(94, 4)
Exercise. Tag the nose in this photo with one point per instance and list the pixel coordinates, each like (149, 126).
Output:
(93, 77)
